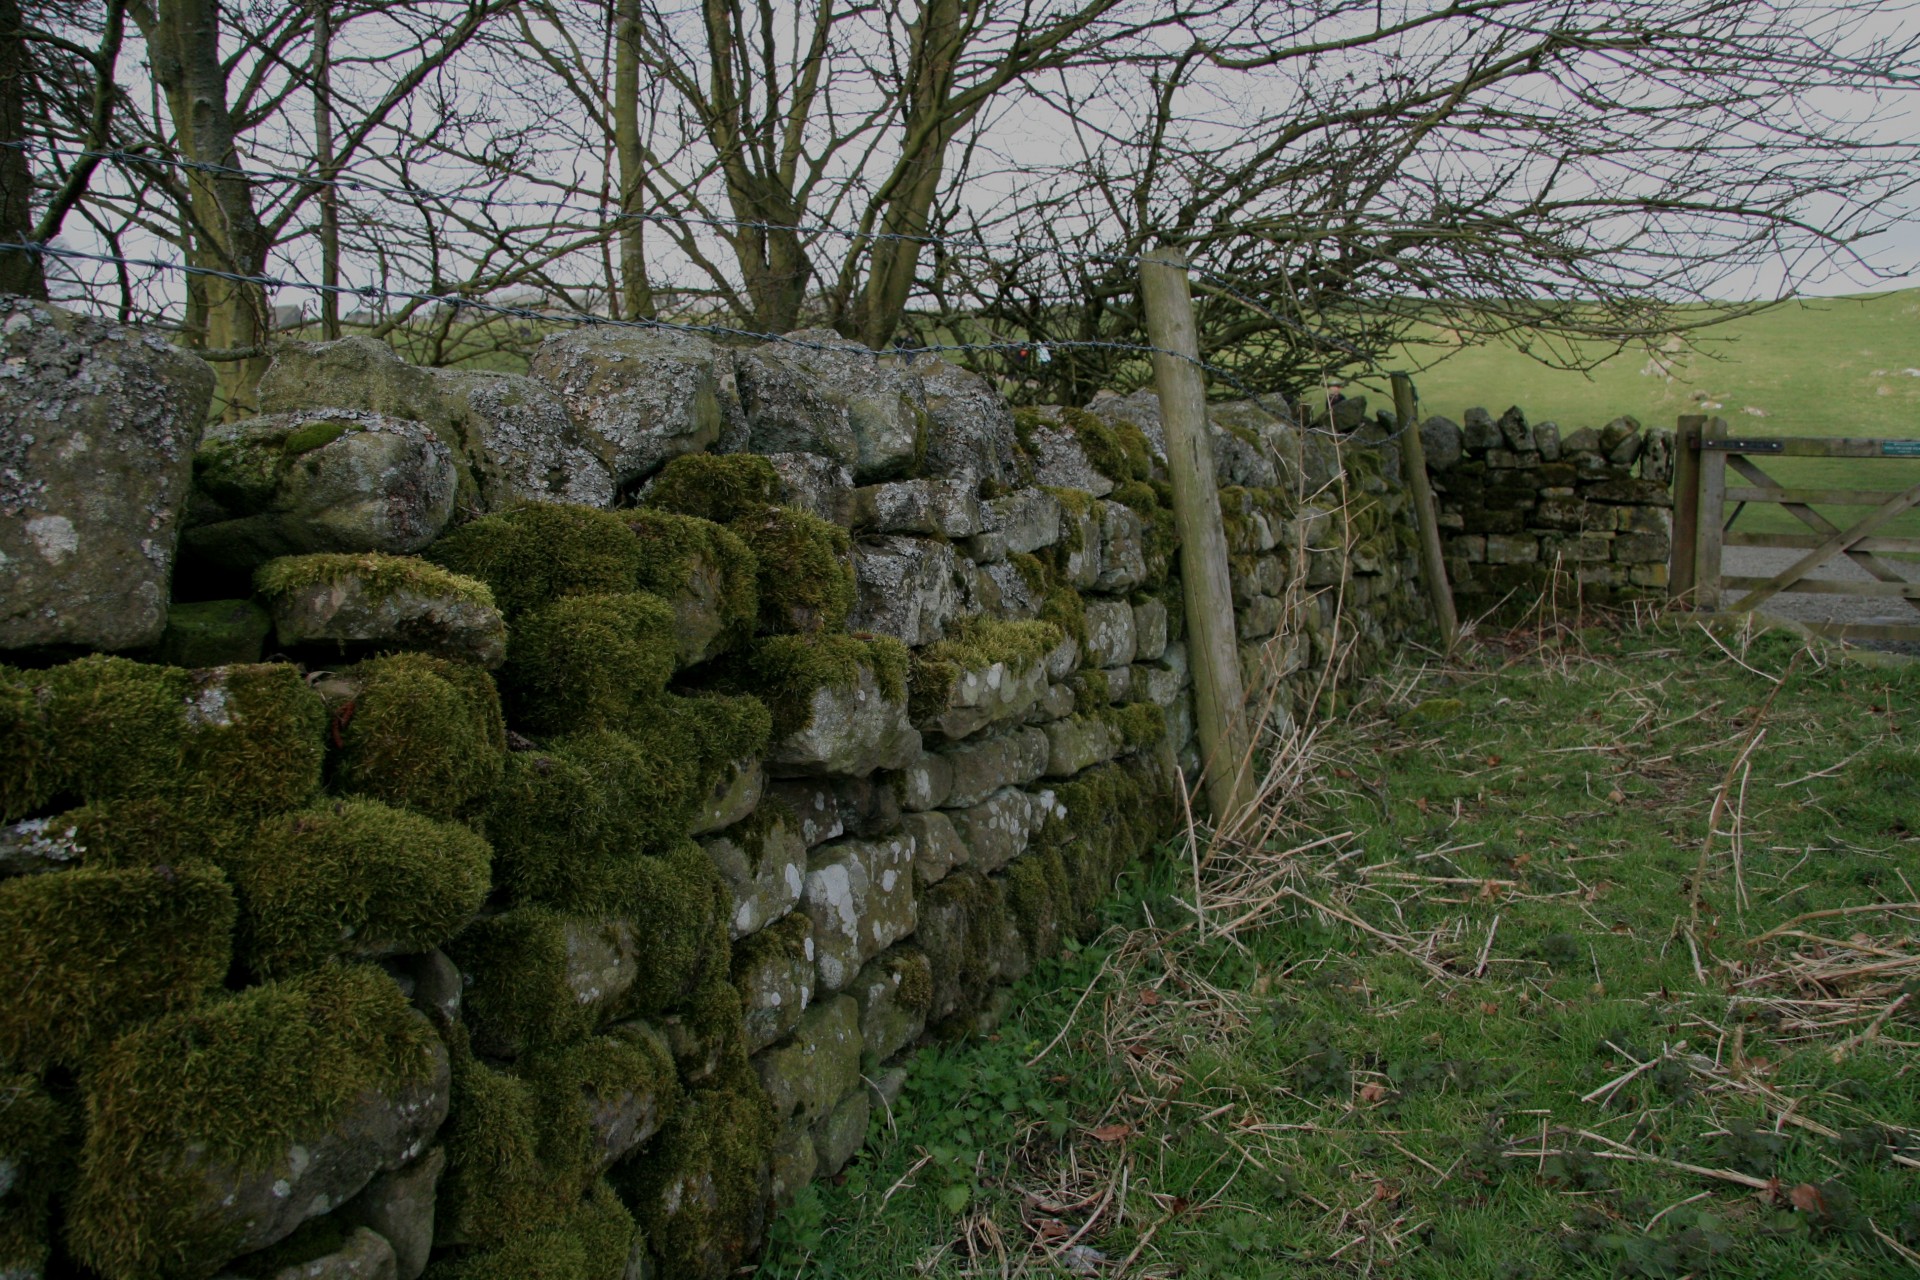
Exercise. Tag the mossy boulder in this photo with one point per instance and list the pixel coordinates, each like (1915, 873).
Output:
(35, 1152)
(354, 878)
(318, 480)
(90, 953)
(216, 1131)
(839, 703)
(419, 732)
(224, 743)
(370, 602)
(773, 971)
(604, 1096)
(805, 569)
(530, 555)
(717, 487)
(705, 573)
(988, 672)
(699, 1190)
(584, 662)
(596, 1240)
(214, 633)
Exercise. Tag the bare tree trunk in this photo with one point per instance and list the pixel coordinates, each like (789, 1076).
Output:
(635, 289)
(183, 39)
(19, 272)
(323, 154)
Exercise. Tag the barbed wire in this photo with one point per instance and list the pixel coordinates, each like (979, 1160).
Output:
(369, 186)
(1004, 347)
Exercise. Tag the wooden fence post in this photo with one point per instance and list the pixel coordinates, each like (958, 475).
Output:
(1686, 507)
(1413, 461)
(1712, 514)
(1219, 694)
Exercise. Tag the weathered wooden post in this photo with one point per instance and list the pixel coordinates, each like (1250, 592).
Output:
(1413, 461)
(1711, 515)
(1686, 506)
(1219, 693)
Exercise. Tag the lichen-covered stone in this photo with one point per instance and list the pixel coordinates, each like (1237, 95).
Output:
(1150, 630)
(364, 1255)
(992, 689)
(519, 442)
(997, 829)
(1123, 548)
(923, 783)
(763, 861)
(808, 1074)
(937, 847)
(943, 508)
(1058, 458)
(813, 805)
(893, 990)
(983, 765)
(700, 1189)
(868, 807)
(817, 485)
(97, 431)
(1028, 519)
(774, 972)
(214, 633)
(817, 392)
(318, 480)
(639, 396)
(1080, 742)
(859, 895)
(399, 1206)
(382, 603)
(851, 727)
(1110, 633)
(794, 1163)
(907, 588)
(217, 1131)
(971, 436)
(732, 798)
(1077, 556)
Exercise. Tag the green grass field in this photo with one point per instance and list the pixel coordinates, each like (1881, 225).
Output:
(1490, 1005)
(1823, 367)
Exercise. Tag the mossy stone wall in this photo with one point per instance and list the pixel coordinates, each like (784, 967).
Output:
(584, 962)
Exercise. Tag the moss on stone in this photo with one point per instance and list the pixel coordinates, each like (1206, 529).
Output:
(969, 915)
(679, 906)
(421, 732)
(572, 1083)
(1041, 898)
(355, 878)
(584, 661)
(674, 548)
(784, 672)
(976, 645)
(1153, 503)
(27, 775)
(233, 1081)
(496, 1186)
(313, 436)
(563, 812)
(717, 487)
(34, 1146)
(1060, 604)
(1118, 452)
(592, 1242)
(1092, 692)
(708, 1030)
(1139, 724)
(515, 967)
(699, 1190)
(213, 633)
(91, 952)
(149, 832)
(805, 569)
(537, 553)
(379, 574)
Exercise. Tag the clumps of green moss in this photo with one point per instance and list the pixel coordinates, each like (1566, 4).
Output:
(213, 633)
(566, 817)
(785, 671)
(1115, 814)
(496, 1186)
(1118, 452)
(628, 1070)
(975, 645)
(540, 552)
(229, 1083)
(1239, 507)
(1040, 895)
(314, 435)
(1060, 604)
(806, 579)
(516, 968)
(91, 952)
(679, 905)
(27, 778)
(420, 732)
(717, 487)
(964, 926)
(34, 1139)
(355, 878)
(594, 1241)
(677, 552)
(1152, 501)
(584, 661)
(378, 574)
(1139, 724)
(699, 1189)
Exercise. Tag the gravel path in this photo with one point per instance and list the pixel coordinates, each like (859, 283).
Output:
(1767, 561)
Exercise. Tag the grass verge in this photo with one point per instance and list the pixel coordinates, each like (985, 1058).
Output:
(1595, 952)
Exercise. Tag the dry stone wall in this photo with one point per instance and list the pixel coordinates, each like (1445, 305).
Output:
(550, 808)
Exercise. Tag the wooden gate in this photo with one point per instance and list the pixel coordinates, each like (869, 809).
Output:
(1715, 469)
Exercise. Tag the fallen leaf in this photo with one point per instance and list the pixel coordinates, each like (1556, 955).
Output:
(1489, 1008)
(1420, 803)
(1052, 1229)
(1616, 795)
(1149, 997)
(1372, 1093)
(1807, 1198)
(1110, 1132)
(1493, 760)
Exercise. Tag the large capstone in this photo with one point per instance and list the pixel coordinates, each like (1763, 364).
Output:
(520, 443)
(641, 397)
(97, 430)
(318, 480)
(816, 392)
(972, 438)
(376, 602)
(850, 730)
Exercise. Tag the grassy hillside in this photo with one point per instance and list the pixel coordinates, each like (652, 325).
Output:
(1824, 367)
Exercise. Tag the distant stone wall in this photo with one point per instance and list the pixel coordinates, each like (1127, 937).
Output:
(1528, 510)
(547, 809)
